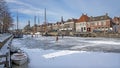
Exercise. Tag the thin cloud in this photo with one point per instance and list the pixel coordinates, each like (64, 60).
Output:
(28, 9)
(31, 10)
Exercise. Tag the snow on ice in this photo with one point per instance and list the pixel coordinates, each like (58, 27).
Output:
(68, 52)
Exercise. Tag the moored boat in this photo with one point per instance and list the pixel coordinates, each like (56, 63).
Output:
(19, 58)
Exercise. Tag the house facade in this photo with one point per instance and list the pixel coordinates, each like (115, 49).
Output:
(116, 24)
(81, 24)
(49, 27)
(99, 23)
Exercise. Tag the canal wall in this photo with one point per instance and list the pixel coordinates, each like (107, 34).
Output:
(5, 42)
(109, 35)
(106, 35)
(87, 34)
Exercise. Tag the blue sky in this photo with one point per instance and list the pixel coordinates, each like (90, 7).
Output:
(27, 9)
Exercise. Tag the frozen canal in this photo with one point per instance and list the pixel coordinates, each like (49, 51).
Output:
(70, 52)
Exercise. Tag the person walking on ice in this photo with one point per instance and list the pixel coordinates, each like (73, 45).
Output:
(57, 38)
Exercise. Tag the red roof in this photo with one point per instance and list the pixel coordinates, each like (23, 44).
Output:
(83, 18)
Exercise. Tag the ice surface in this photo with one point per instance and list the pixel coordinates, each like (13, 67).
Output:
(60, 53)
(75, 60)
(45, 52)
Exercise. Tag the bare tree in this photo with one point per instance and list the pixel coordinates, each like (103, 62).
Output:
(5, 17)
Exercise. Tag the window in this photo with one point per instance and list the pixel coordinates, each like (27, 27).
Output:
(92, 23)
(102, 23)
(99, 23)
(84, 28)
(95, 23)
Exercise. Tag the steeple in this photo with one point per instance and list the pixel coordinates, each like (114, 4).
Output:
(28, 22)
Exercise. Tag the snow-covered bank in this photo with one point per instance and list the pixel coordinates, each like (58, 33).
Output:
(4, 36)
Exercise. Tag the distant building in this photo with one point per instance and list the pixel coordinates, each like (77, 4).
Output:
(54, 26)
(116, 24)
(69, 26)
(39, 28)
(27, 28)
(99, 23)
(49, 27)
(81, 24)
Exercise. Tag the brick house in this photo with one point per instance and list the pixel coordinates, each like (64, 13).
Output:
(69, 26)
(116, 24)
(81, 23)
(39, 28)
(99, 23)
(61, 26)
(54, 26)
(49, 27)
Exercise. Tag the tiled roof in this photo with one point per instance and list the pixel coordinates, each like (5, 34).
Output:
(83, 18)
(71, 20)
(97, 18)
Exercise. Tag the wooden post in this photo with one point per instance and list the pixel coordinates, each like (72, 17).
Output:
(7, 62)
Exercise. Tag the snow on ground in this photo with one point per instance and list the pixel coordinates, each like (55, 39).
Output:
(45, 52)
(4, 36)
(59, 53)
(75, 60)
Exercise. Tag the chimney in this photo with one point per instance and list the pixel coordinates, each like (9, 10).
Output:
(106, 14)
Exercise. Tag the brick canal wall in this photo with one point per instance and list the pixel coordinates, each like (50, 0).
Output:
(107, 35)
(5, 52)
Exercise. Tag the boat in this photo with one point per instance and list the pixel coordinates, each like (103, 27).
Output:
(14, 49)
(19, 58)
(18, 32)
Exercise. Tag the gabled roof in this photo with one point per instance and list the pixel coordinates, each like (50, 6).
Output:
(97, 18)
(83, 18)
(116, 18)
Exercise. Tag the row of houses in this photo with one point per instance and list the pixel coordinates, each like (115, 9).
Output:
(85, 23)
(91, 24)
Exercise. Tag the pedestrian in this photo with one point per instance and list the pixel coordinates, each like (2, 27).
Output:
(32, 35)
(62, 35)
(56, 38)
